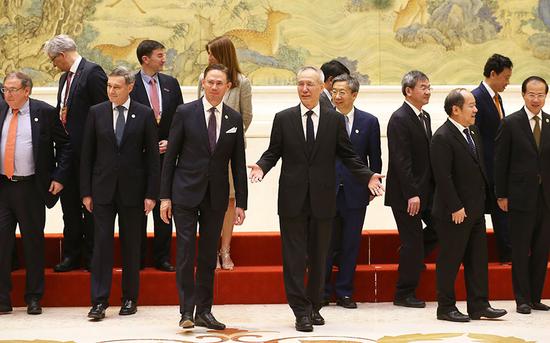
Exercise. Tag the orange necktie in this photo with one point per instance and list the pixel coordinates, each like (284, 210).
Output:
(497, 104)
(9, 153)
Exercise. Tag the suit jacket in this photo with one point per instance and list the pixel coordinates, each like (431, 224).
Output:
(302, 174)
(190, 169)
(487, 121)
(171, 99)
(88, 87)
(133, 168)
(409, 170)
(325, 100)
(519, 165)
(365, 138)
(50, 144)
(460, 177)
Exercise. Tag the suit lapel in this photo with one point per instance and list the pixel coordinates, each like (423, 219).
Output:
(224, 126)
(35, 128)
(526, 127)
(299, 127)
(202, 125)
(545, 132)
(141, 93)
(131, 117)
(321, 130)
(462, 140)
(74, 82)
(358, 124)
(414, 118)
(165, 94)
(490, 103)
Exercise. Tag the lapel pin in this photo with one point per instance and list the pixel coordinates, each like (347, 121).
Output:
(166, 90)
(356, 131)
(36, 119)
(133, 115)
(548, 121)
(226, 117)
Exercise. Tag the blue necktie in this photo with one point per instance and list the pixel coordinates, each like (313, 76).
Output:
(310, 134)
(119, 126)
(470, 141)
(212, 129)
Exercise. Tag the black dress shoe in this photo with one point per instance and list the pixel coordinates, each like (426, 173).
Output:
(186, 321)
(523, 309)
(33, 307)
(316, 318)
(128, 307)
(539, 306)
(97, 312)
(303, 324)
(488, 312)
(410, 301)
(66, 265)
(165, 267)
(5, 308)
(207, 320)
(453, 316)
(346, 302)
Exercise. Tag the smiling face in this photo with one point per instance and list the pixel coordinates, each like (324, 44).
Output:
(342, 96)
(466, 116)
(118, 90)
(15, 94)
(420, 94)
(309, 88)
(534, 96)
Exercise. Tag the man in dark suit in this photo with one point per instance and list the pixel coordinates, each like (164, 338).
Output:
(204, 137)
(522, 187)
(308, 138)
(352, 197)
(331, 69)
(36, 154)
(119, 174)
(458, 210)
(497, 72)
(410, 184)
(162, 93)
(82, 85)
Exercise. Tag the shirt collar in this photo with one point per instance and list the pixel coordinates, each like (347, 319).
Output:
(74, 67)
(315, 110)
(458, 126)
(126, 104)
(416, 110)
(23, 109)
(207, 105)
(146, 78)
(350, 114)
(492, 93)
(530, 114)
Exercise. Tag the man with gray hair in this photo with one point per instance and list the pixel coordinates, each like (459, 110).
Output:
(308, 138)
(410, 184)
(82, 85)
(119, 174)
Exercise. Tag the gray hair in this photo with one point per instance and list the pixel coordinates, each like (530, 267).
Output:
(25, 79)
(59, 44)
(315, 69)
(352, 82)
(129, 77)
(410, 80)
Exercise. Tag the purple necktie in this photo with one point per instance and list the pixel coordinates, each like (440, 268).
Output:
(212, 129)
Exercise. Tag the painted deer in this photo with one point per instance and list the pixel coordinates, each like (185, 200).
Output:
(120, 52)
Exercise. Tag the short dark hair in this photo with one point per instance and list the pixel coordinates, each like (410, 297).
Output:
(219, 67)
(496, 63)
(334, 68)
(410, 79)
(454, 98)
(26, 80)
(146, 48)
(533, 78)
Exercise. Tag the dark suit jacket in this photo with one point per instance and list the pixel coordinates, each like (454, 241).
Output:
(190, 169)
(365, 138)
(460, 178)
(316, 173)
(133, 168)
(518, 163)
(324, 100)
(88, 87)
(409, 170)
(487, 121)
(171, 99)
(50, 144)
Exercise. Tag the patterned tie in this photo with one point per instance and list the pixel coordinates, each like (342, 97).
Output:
(119, 126)
(63, 116)
(424, 122)
(310, 134)
(212, 129)
(9, 153)
(155, 102)
(536, 131)
(498, 105)
(470, 141)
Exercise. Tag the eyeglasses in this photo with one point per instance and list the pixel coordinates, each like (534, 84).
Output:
(52, 58)
(533, 96)
(10, 90)
(425, 89)
(340, 93)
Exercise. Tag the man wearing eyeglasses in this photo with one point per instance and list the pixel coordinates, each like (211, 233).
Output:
(35, 157)
(82, 85)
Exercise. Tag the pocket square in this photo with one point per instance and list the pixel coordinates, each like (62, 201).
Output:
(232, 130)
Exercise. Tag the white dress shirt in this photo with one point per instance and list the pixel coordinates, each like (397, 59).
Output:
(73, 70)
(349, 121)
(314, 117)
(126, 106)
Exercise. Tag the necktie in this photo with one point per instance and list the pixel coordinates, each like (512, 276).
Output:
(536, 130)
(348, 127)
(470, 141)
(119, 126)
(155, 102)
(212, 129)
(65, 98)
(424, 122)
(498, 105)
(310, 134)
(9, 153)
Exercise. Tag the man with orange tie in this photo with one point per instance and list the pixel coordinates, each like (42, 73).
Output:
(497, 72)
(34, 160)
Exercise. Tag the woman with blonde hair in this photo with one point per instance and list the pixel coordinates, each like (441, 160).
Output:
(239, 97)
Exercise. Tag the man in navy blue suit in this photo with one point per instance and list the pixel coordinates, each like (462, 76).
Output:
(497, 72)
(352, 197)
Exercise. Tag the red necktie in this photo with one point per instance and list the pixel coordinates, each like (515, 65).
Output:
(67, 89)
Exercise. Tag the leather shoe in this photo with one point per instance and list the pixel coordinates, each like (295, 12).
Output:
(539, 306)
(523, 309)
(128, 307)
(453, 316)
(316, 318)
(5, 309)
(207, 320)
(410, 301)
(346, 302)
(488, 312)
(66, 265)
(303, 324)
(33, 307)
(186, 321)
(97, 312)
(165, 267)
